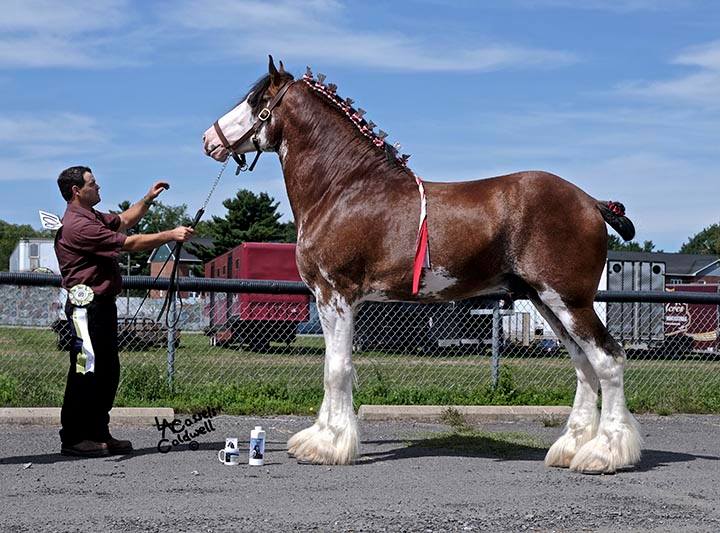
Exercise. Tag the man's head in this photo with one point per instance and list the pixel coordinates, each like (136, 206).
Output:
(77, 184)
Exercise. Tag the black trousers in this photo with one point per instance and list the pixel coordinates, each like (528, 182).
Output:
(89, 397)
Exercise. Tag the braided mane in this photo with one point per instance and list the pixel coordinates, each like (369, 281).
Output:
(329, 91)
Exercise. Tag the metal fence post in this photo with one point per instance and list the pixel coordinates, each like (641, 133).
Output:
(171, 342)
(495, 361)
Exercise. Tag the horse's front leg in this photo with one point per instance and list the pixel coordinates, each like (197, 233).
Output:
(333, 439)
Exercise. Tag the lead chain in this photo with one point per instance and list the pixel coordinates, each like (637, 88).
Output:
(217, 180)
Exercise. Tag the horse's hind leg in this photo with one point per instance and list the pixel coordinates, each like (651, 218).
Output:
(617, 441)
(583, 421)
(333, 439)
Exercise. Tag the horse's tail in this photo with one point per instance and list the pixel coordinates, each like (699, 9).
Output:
(614, 214)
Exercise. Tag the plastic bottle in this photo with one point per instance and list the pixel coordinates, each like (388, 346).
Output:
(257, 447)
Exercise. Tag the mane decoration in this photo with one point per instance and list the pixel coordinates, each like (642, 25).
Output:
(356, 116)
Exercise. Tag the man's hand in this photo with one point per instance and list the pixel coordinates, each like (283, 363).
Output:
(156, 189)
(130, 217)
(181, 233)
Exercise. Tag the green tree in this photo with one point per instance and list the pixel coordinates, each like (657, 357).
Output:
(706, 241)
(614, 243)
(250, 218)
(10, 235)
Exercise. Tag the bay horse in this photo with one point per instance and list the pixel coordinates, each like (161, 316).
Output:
(356, 205)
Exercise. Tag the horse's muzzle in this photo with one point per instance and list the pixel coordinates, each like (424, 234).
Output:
(214, 148)
(219, 154)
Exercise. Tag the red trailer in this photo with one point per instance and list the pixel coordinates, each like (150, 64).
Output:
(693, 325)
(256, 319)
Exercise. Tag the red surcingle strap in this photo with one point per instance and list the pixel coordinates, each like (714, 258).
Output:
(617, 208)
(422, 251)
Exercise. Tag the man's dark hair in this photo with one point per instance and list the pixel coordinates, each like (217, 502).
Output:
(69, 177)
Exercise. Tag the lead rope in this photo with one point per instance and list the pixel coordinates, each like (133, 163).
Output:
(172, 282)
(176, 249)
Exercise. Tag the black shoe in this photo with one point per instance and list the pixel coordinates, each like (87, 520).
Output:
(118, 447)
(86, 448)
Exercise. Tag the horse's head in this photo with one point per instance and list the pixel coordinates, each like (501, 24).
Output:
(249, 125)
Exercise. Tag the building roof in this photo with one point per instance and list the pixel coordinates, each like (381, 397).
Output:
(33, 240)
(161, 253)
(675, 264)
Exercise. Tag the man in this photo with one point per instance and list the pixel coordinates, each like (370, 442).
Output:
(87, 247)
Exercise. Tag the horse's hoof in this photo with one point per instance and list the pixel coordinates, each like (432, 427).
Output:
(609, 451)
(323, 446)
(562, 452)
(593, 463)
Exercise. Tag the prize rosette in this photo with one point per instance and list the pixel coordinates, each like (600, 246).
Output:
(81, 295)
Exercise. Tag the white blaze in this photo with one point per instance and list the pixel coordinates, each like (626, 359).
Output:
(236, 123)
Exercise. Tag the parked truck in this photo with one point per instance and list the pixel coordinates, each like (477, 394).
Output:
(693, 327)
(249, 319)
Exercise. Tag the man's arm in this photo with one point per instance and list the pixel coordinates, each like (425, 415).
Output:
(136, 243)
(135, 212)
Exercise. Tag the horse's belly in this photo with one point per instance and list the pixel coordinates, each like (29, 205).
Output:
(437, 285)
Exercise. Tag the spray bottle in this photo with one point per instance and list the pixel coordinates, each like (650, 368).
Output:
(257, 447)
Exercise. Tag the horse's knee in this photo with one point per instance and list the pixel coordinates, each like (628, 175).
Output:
(338, 374)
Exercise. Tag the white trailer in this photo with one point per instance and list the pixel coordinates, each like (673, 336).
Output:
(630, 323)
(32, 255)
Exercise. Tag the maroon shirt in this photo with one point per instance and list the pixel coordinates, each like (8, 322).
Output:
(87, 247)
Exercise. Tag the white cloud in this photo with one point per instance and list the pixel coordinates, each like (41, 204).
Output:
(20, 169)
(67, 18)
(397, 52)
(254, 16)
(619, 6)
(79, 33)
(316, 31)
(42, 51)
(701, 87)
(35, 147)
(618, 129)
(706, 56)
(55, 129)
(653, 188)
(108, 33)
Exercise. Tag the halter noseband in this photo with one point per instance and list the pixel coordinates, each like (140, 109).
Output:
(251, 134)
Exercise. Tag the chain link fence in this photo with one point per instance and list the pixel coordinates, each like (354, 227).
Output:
(477, 350)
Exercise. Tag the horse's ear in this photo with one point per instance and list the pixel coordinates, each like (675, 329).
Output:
(282, 68)
(272, 70)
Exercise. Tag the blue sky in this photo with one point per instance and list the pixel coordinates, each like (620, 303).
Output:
(620, 97)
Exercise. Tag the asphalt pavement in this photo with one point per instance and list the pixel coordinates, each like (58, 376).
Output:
(411, 476)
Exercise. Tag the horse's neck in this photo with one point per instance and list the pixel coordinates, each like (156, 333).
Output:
(323, 154)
